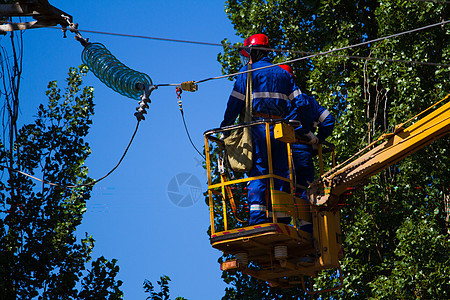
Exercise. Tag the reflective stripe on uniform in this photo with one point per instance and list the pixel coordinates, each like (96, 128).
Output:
(295, 94)
(315, 124)
(257, 207)
(270, 95)
(238, 95)
(324, 115)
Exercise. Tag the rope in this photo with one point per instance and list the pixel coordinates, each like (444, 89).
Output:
(80, 185)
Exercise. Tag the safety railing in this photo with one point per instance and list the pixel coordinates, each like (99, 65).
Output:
(282, 203)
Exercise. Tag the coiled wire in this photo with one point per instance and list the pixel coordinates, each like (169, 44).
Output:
(112, 72)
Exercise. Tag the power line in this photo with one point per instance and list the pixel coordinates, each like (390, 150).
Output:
(189, 136)
(180, 104)
(273, 49)
(327, 52)
(369, 58)
(147, 37)
(393, 60)
(80, 185)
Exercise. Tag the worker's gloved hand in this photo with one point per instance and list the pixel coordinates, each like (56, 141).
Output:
(312, 138)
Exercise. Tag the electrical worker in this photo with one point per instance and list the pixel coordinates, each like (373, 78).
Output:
(275, 95)
(303, 153)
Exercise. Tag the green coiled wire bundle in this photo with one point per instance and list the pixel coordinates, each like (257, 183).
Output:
(112, 72)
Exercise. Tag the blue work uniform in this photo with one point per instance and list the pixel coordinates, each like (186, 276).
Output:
(303, 153)
(275, 95)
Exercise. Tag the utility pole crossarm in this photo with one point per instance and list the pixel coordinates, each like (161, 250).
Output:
(43, 13)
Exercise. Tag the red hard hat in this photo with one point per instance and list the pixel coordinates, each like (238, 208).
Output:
(287, 68)
(258, 39)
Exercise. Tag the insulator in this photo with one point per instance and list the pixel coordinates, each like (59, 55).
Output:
(112, 72)
(281, 252)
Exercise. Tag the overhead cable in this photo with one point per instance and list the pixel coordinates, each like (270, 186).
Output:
(270, 49)
(180, 104)
(79, 185)
(327, 52)
(148, 37)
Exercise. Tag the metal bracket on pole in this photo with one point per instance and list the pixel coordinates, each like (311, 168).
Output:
(44, 14)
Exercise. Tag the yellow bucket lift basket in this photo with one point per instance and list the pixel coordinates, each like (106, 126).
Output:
(274, 252)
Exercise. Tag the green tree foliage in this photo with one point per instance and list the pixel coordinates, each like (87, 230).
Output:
(164, 293)
(396, 243)
(40, 256)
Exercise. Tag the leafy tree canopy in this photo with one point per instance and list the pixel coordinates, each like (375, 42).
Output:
(164, 293)
(40, 256)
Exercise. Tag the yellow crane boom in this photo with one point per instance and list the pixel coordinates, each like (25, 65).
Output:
(393, 148)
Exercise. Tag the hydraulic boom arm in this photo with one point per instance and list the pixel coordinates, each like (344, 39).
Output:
(396, 146)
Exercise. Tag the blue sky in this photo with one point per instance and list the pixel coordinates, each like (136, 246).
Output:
(130, 213)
